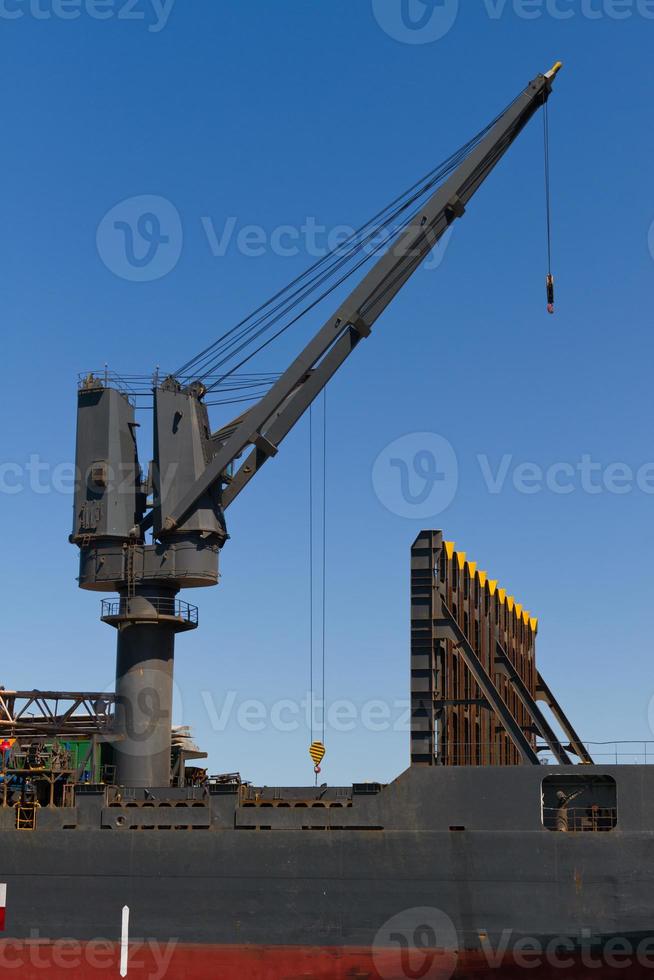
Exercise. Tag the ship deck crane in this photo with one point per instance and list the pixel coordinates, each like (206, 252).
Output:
(196, 474)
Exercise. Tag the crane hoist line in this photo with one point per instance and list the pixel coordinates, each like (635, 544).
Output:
(548, 210)
(317, 748)
(196, 473)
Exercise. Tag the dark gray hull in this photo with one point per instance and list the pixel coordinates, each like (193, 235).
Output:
(453, 860)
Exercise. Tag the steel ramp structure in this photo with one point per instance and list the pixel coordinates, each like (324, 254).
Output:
(474, 680)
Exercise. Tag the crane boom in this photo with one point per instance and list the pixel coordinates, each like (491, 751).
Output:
(265, 425)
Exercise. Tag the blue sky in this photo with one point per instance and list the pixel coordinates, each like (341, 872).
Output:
(271, 114)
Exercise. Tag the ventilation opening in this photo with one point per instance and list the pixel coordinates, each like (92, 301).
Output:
(580, 804)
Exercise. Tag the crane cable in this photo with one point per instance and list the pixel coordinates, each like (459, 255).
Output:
(317, 747)
(309, 280)
(384, 238)
(381, 236)
(324, 552)
(377, 238)
(311, 571)
(548, 210)
(232, 342)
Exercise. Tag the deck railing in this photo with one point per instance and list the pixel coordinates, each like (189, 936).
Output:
(161, 606)
(579, 820)
(615, 753)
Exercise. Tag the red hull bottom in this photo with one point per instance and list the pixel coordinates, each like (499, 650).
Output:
(73, 960)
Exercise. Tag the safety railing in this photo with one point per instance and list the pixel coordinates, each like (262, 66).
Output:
(159, 606)
(617, 753)
(620, 753)
(579, 820)
(97, 380)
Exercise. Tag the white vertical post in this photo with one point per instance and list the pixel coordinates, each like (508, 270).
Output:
(124, 941)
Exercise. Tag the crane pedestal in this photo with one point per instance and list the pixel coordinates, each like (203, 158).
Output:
(146, 624)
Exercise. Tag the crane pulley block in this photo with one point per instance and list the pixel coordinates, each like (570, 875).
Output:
(550, 292)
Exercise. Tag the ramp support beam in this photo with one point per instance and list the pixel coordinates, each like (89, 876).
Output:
(447, 628)
(543, 693)
(504, 665)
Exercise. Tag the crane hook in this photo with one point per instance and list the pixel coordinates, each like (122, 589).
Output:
(550, 293)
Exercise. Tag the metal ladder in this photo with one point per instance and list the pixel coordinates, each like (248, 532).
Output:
(26, 816)
(130, 574)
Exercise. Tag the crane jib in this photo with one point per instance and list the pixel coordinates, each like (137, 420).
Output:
(268, 422)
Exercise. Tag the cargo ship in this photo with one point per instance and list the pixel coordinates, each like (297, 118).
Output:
(503, 849)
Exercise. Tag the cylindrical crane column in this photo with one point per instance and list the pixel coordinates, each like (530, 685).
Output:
(146, 624)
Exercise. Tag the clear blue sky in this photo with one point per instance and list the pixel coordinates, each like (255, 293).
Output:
(269, 114)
